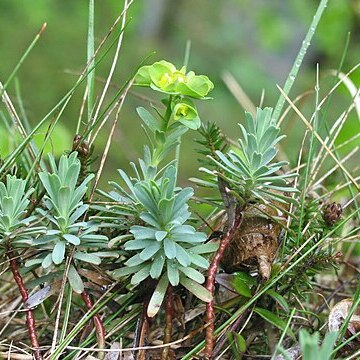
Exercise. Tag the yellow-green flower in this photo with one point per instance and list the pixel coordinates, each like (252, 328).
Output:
(186, 113)
(164, 77)
(196, 86)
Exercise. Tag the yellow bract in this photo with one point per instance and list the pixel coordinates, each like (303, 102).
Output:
(163, 76)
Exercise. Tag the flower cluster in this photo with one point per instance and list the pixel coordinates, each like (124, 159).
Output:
(163, 76)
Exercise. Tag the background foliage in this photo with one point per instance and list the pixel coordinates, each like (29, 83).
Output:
(255, 40)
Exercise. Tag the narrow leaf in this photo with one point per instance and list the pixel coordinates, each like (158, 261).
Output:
(158, 296)
(274, 320)
(279, 299)
(58, 253)
(196, 289)
(75, 280)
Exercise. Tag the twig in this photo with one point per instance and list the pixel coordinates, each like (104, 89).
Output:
(319, 138)
(100, 331)
(15, 118)
(112, 69)
(168, 324)
(35, 202)
(108, 142)
(142, 329)
(30, 320)
(60, 300)
(220, 344)
(238, 92)
(210, 284)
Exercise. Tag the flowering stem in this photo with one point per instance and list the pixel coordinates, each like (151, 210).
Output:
(168, 113)
(30, 320)
(168, 319)
(210, 284)
(100, 331)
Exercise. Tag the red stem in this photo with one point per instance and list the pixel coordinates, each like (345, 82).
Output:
(141, 332)
(99, 327)
(30, 320)
(168, 322)
(210, 285)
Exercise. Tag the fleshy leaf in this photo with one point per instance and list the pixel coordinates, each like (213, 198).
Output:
(196, 289)
(75, 280)
(58, 253)
(158, 296)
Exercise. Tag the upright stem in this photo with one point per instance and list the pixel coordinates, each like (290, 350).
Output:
(210, 284)
(178, 146)
(91, 62)
(30, 320)
(299, 59)
(177, 158)
(141, 332)
(167, 114)
(168, 320)
(100, 331)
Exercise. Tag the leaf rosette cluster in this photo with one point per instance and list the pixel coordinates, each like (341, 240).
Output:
(15, 225)
(64, 208)
(165, 247)
(250, 168)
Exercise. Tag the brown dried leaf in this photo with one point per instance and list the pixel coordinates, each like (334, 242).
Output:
(336, 318)
(255, 243)
(96, 277)
(338, 313)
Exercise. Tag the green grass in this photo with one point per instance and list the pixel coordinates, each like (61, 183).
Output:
(307, 271)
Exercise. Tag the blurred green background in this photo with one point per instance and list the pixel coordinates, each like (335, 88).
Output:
(256, 40)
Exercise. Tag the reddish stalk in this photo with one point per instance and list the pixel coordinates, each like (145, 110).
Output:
(168, 322)
(30, 320)
(99, 327)
(210, 285)
(141, 332)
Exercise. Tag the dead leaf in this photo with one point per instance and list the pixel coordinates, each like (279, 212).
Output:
(255, 242)
(113, 355)
(336, 318)
(39, 296)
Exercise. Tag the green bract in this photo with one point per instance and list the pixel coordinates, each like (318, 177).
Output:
(164, 77)
(251, 169)
(64, 208)
(186, 113)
